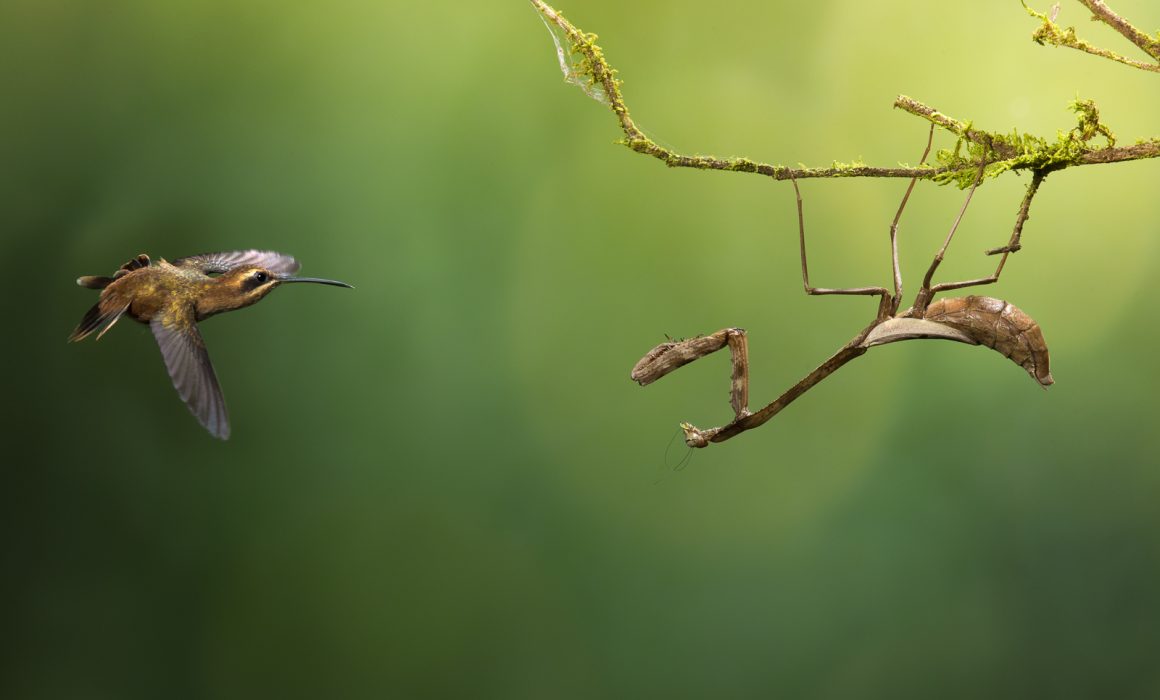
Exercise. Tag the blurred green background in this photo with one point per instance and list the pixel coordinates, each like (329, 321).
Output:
(443, 483)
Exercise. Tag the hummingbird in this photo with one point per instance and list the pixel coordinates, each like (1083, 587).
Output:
(173, 297)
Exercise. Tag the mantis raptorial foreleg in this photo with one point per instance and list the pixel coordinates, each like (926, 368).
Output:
(667, 357)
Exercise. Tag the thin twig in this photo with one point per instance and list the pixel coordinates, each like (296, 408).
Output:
(956, 127)
(777, 172)
(1051, 33)
(1138, 151)
(1147, 44)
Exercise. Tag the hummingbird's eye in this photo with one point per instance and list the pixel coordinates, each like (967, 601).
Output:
(261, 277)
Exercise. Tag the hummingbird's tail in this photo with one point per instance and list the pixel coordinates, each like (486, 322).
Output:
(94, 281)
(100, 282)
(101, 317)
(111, 306)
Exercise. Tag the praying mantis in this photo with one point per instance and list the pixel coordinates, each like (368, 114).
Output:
(974, 320)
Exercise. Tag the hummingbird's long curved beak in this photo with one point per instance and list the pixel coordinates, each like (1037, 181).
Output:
(317, 280)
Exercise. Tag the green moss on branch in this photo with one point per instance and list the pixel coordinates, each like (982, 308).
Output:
(996, 152)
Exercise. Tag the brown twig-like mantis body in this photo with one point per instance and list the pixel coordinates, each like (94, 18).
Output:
(975, 320)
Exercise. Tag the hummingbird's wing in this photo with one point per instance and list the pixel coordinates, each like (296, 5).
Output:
(211, 263)
(192, 374)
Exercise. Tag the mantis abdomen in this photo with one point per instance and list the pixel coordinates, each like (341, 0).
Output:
(998, 325)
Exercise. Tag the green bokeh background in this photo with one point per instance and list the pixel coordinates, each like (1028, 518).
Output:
(443, 483)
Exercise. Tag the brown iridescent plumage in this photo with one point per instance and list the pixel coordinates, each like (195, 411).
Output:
(173, 297)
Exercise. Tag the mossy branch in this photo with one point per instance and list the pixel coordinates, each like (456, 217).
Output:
(1051, 33)
(593, 73)
(995, 151)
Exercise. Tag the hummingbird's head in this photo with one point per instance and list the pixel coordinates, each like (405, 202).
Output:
(247, 285)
